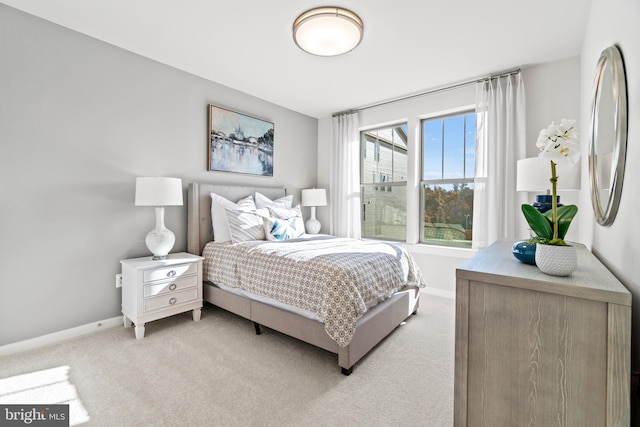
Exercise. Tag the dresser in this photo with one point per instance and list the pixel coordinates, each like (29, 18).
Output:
(538, 350)
(154, 289)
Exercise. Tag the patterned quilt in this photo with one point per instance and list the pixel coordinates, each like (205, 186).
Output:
(335, 278)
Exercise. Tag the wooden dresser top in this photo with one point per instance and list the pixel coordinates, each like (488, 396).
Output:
(591, 280)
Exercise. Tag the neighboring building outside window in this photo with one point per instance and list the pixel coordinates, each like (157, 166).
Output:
(383, 182)
(448, 171)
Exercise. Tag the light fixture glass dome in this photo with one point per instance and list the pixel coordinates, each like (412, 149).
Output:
(328, 31)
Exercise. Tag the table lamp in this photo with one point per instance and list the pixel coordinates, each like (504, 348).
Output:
(534, 175)
(313, 197)
(159, 192)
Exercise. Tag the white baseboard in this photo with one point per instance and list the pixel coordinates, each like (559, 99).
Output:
(439, 292)
(59, 336)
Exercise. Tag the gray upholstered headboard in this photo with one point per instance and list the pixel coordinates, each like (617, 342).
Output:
(199, 228)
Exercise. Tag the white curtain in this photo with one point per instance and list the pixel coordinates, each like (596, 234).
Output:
(500, 104)
(344, 205)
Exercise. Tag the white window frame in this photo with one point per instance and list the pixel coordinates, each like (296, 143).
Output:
(377, 183)
(422, 183)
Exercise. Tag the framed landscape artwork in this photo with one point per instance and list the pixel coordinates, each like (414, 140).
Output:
(239, 143)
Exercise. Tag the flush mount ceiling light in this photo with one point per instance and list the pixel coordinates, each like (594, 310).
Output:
(328, 31)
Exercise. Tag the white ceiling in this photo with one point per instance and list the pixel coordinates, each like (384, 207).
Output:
(409, 46)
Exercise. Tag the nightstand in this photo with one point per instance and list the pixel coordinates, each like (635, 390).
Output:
(154, 289)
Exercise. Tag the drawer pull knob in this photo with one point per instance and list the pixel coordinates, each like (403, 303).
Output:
(173, 301)
(171, 273)
(172, 287)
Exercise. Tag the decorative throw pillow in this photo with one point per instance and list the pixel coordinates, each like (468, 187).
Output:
(263, 201)
(246, 225)
(283, 229)
(219, 216)
(283, 213)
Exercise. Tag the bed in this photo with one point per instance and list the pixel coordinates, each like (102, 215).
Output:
(370, 327)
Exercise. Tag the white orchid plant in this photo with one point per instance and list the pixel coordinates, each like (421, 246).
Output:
(558, 146)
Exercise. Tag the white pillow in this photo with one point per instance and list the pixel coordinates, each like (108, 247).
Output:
(219, 216)
(283, 213)
(246, 225)
(263, 201)
(283, 229)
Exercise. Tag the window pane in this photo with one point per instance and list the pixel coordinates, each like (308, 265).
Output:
(453, 141)
(384, 155)
(399, 154)
(448, 147)
(448, 144)
(470, 146)
(432, 149)
(384, 212)
(448, 214)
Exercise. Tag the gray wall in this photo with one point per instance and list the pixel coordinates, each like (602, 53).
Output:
(553, 93)
(617, 246)
(79, 121)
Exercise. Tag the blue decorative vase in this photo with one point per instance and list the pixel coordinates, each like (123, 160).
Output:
(544, 202)
(525, 252)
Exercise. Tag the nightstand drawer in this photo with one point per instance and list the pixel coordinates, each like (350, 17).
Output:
(170, 286)
(170, 272)
(170, 299)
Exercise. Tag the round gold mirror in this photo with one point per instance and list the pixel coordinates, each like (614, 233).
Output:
(608, 145)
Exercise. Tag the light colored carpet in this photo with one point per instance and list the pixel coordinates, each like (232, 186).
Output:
(217, 372)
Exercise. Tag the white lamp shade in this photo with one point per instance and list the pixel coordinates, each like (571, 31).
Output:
(314, 197)
(328, 31)
(158, 191)
(534, 175)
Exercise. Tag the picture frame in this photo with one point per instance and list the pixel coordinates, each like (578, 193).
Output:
(239, 143)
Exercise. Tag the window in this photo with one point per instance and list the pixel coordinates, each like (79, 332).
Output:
(448, 170)
(383, 183)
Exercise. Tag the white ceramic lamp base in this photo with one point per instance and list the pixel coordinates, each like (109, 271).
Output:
(312, 226)
(160, 240)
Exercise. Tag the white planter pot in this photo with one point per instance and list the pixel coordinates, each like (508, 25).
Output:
(556, 260)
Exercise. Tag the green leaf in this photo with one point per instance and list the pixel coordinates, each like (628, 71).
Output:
(565, 216)
(538, 222)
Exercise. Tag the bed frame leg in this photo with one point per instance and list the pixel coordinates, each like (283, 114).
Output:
(346, 372)
(257, 325)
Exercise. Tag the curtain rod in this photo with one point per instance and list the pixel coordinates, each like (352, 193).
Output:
(429, 92)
